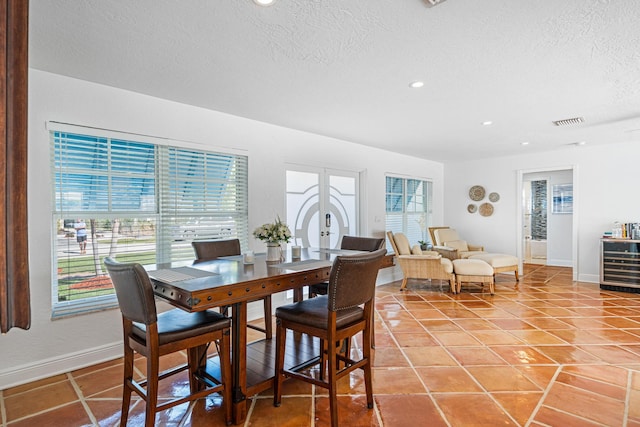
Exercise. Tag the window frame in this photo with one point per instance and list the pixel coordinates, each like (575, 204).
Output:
(159, 220)
(409, 219)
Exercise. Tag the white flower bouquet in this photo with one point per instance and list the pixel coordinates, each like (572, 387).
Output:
(277, 232)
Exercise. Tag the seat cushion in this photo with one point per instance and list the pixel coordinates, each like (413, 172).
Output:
(468, 254)
(496, 260)
(472, 267)
(447, 265)
(314, 312)
(177, 324)
(460, 245)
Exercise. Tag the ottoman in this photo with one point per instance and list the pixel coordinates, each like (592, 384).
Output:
(473, 270)
(499, 262)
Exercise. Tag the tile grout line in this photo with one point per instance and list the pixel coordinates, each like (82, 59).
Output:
(250, 411)
(627, 401)
(413, 368)
(444, 347)
(84, 404)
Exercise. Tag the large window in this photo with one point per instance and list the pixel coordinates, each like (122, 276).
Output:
(135, 201)
(408, 207)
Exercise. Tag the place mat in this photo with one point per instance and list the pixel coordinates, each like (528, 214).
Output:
(179, 274)
(303, 265)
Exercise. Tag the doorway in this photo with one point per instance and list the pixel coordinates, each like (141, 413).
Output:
(534, 222)
(322, 205)
(547, 225)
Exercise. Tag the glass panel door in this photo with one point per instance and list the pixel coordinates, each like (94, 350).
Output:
(322, 205)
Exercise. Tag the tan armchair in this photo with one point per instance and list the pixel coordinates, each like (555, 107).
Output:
(418, 264)
(448, 243)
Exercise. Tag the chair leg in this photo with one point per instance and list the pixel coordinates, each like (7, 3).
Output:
(367, 353)
(153, 371)
(324, 351)
(126, 390)
(404, 284)
(268, 325)
(333, 392)
(225, 371)
(281, 336)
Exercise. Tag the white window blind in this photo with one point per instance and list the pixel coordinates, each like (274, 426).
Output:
(408, 208)
(141, 202)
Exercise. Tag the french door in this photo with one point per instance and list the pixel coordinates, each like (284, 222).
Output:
(322, 205)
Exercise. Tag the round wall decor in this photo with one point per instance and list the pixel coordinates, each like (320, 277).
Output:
(486, 209)
(472, 208)
(494, 197)
(476, 193)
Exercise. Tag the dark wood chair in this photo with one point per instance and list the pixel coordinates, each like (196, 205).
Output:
(345, 311)
(153, 335)
(354, 243)
(207, 250)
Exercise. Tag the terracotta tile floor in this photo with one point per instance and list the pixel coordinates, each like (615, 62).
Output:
(548, 352)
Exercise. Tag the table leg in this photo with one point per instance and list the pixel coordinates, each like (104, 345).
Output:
(239, 362)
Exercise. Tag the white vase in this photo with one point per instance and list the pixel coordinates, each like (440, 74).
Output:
(274, 252)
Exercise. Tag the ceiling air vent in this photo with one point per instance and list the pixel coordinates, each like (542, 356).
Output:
(565, 122)
(431, 3)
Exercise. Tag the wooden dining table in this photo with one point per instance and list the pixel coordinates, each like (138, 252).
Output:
(229, 281)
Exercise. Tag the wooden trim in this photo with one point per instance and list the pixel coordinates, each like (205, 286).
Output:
(14, 254)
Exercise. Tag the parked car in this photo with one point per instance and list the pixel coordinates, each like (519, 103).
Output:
(203, 228)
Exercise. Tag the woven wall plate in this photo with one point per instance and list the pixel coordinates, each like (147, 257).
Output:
(494, 197)
(472, 208)
(486, 209)
(476, 193)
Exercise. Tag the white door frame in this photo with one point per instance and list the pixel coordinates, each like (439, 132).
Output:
(520, 214)
(324, 174)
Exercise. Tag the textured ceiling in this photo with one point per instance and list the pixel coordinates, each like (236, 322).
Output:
(342, 68)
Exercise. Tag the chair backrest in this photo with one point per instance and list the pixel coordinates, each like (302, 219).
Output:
(393, 242)
(352, 281)
(399, 243)
(211, 249)
(133, 290)
(446, 235)
(434, 237)
(356, 243)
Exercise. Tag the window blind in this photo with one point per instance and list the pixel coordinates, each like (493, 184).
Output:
(139, 202)
(408, 208)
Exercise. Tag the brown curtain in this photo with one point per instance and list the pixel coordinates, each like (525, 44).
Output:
(14, 253)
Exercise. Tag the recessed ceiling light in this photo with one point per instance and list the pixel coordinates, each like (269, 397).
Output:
(264, 2)
(524, 143)
(580, 143)
(487, 123)
(416, 84)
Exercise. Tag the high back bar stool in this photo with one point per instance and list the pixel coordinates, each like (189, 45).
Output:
(207, 250)
(345, 311)
(153, 335)
(354, 243)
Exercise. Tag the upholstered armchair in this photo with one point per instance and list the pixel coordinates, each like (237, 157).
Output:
(448, 243)
(418, 264)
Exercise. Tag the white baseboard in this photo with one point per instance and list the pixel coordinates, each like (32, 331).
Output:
(589, 278)
(559, 262)
(23, 374)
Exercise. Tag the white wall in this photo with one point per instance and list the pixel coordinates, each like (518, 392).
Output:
(50, 347)
(603, 192)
